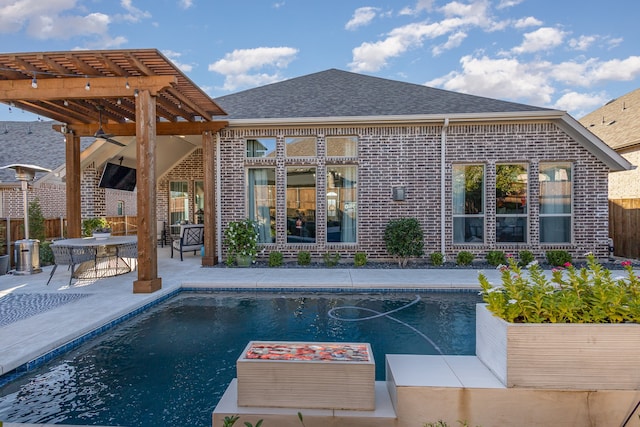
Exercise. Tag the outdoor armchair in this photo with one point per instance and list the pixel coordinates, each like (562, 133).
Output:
(191, 239)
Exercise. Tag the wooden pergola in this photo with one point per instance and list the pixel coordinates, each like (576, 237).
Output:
(109, 93)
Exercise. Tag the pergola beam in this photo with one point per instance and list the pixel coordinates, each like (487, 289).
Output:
(162, 128)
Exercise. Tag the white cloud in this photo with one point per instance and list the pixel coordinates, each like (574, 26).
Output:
(582, 42)
(278, 5)
(238, 65)
(580, 103)
(592, 72)
(529, 21)
(186, 4)
(541, 39)
(361, 17)
(65, 27)
(508, 3)
(133, 13)
(453, 41)
(174, 57)
(421, 5)
(15, 15)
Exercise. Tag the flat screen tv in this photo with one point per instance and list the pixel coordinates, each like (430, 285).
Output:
(118, 177)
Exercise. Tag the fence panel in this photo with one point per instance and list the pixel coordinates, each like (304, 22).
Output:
(624, 227)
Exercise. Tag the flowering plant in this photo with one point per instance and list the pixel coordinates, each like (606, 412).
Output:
(241, 238)
(586, 295)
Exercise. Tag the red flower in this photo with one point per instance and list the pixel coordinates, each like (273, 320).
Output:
(567, 264)
(625, 263)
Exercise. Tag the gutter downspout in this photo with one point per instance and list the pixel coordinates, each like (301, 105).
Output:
(443, 143)
(218, 201)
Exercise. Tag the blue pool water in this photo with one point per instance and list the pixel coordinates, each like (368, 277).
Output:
(171, 364)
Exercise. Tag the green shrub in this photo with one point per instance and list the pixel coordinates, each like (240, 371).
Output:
(331, 259)
(437, 258)
(360, 259)
(304, 258)
(404, 239)
(558, 258)
(275, 259)
(464, 258)
(36, 222)
(46, 254)
(526, 258)
(496, 258)
(89, 225)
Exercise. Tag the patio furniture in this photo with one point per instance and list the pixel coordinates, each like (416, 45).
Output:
(103, 254)
(127, 251)
(161, 233)
(71, 256)
(191, 239)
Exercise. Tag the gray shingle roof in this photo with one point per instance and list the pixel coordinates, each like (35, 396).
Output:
(337, 93)
(34, 143)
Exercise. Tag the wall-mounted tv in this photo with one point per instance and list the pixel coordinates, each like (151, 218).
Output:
(118, 177)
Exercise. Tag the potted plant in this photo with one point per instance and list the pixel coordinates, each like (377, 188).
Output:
(580, 329)
(241, 238)
(97, 228)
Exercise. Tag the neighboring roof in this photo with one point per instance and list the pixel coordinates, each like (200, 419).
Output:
(617, 122)
(336, 93)
(33, 143)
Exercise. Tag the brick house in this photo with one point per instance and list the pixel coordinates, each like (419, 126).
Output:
(324, 161)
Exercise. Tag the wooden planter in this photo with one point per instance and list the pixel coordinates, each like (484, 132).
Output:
(292, 382)
(559, 356)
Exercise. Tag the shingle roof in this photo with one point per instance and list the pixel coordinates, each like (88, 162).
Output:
(337, 93)
(617, 122)
(33, 143)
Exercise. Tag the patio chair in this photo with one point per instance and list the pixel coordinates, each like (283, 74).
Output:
(191, 239)
(161, 233)
(71, 256)
(126, 250)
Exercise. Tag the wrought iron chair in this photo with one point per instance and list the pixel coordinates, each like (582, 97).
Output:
(161, 232)
(191, 239)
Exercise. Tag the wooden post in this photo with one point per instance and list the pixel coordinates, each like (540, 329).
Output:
(210, 257)
(148, 280)
(74, 210)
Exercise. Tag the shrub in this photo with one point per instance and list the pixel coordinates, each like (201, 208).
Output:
(36, 222)
(241, 238)
(464, 258)
(46, 254)
(331, 259)
(496, 258)
(360, 259)
(437, 258)
(586, 295)
(526, 258)
(403, 239)
(90, 225)
(304, 258)
(558, 258)
(275, 259)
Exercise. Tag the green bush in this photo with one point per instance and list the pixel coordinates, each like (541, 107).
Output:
(275, 259)
(558, 258)
(89, 225)
(404, 239)
(437, 258)
(36, 222)
(46, 254)
(496, 258)
(331, 259)
(304, 258)
(464, 258)
(360, 259)
(526, 258)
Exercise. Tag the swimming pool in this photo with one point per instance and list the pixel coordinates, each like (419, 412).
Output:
(171, 364)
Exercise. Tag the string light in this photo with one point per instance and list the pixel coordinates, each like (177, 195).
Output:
(119, 101)
(136, 93)
(126, 85)
(66, 103)
(88, 85)
(34, 82)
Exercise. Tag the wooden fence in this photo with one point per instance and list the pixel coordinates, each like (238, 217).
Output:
(56, 228)
(624, 227)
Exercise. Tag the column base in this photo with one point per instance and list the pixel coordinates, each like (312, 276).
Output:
(147, 286)
(209, 261)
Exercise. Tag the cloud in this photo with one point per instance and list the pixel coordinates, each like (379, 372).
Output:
(582, 42)
(133, 13)
(66, 27)
(361, 17)
(529, 21)
(580, 103)
(453, 41)
(174, 57)
(508, 3)
(241, 67)
(544, 38)
(278, 5)
(592, 72)
(185, 4)
(16, 15)
(421, 6)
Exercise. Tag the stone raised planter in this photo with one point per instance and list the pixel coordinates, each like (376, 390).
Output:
(307, 375)
(559, 356)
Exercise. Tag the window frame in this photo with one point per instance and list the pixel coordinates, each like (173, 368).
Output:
(524, 214)
(569, 215)
(481, 215)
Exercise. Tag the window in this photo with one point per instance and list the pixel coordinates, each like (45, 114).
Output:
(120, 208)
(302, 146)
(261, 194)
(555, 202)
(301, 204)
(511, 203)
(178, 201)
(261, 147)
(468, 203)
(198, 202)
(342, 212)
(342, 146)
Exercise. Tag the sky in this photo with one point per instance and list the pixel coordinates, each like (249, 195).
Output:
(570, 55)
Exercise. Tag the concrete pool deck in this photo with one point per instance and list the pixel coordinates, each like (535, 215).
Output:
(36, 318)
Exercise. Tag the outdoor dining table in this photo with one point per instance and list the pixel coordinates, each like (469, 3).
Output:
(109, 261)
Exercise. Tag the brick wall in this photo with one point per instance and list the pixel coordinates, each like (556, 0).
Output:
(409, 156)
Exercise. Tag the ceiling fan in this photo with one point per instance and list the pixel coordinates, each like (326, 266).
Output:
(100, 133)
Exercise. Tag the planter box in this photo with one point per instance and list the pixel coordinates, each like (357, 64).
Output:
(559, 356)
(307, 375)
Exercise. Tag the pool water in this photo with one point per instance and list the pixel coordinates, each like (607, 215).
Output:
(172, 364)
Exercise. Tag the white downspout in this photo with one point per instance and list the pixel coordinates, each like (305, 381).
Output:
(443, 143)
(218, 201)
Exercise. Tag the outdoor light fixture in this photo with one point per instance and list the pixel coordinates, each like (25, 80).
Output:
(88, 85)
(34, 82)
(136, 93)
(126, 85)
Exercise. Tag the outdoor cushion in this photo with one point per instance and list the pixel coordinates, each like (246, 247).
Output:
(191, 239)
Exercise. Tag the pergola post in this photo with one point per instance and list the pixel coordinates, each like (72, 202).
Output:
(72, 160)
(210, 257)
(148, 280)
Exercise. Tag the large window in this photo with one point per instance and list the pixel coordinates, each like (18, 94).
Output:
(261, 147)
(178, 201)
(511, 203)
(300, 146)
(555, 202)
(342, 212)
(261, 194)
(468, 203)
(301, 204)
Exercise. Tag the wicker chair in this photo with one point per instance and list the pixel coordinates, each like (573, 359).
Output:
(71, 256)
(127, 250)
